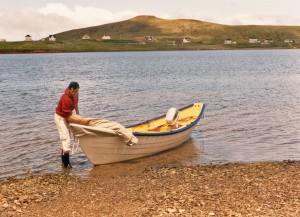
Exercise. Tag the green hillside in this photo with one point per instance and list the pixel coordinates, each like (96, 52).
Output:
(167, 30)
(129, 35)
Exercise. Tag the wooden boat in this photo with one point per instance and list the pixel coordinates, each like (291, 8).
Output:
(154, 136)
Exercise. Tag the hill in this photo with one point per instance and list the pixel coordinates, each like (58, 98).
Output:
(167, 30)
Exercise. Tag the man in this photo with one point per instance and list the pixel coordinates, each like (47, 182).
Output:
(63, 116)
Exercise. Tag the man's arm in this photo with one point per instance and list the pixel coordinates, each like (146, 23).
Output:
(77, 110)
(76, 104)
(77, 120)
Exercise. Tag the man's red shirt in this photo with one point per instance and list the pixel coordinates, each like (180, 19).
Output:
(66, 104)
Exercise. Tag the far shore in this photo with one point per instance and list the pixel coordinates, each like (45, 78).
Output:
(33, 51)
(235, 189)
(96, 46)
(62, 51)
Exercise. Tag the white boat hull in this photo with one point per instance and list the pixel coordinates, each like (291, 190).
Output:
(109, 148)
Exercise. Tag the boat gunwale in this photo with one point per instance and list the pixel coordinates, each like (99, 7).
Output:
(172, 131)
(109, 131)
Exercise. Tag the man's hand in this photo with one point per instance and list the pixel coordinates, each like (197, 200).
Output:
(78, 120)
(85, 121)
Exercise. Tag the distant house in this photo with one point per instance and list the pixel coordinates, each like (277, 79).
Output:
(106, 37)
(52, 38)
(268, 41)
(253, 41)
(178, 42)
(228, 41)
(86, 37)
(289, 41)
(28, 38)
(2, 40)
(149, 38)
(186, 40)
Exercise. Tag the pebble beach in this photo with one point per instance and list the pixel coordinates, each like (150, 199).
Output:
(235, 189)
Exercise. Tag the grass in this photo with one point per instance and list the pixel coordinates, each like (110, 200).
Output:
(122, 45)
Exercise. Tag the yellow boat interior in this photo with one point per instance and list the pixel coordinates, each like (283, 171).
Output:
(186, 116)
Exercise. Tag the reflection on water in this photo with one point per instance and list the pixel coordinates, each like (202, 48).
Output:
(252, 104)
(186, 154)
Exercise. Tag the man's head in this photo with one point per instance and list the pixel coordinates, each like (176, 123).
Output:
(74, 87)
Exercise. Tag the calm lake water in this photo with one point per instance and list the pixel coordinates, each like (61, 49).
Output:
(252, 104)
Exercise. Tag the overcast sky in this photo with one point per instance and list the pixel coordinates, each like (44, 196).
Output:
(39, 18)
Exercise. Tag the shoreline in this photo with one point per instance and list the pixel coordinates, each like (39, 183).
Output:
(234, 189)
(35, 52)
(104, 51)
(36, 47)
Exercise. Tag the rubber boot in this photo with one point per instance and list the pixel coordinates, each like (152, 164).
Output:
(65, 158)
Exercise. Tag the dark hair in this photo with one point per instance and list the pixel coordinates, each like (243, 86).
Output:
(73, 85)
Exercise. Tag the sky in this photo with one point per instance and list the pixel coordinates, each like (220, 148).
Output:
(40, 18)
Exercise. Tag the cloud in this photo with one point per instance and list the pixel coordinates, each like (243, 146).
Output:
(247, 19)
(237, 19)
(54, 18)
(86, 16)
(31, 22)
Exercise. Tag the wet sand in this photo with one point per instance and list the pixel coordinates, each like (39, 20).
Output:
(246, 189)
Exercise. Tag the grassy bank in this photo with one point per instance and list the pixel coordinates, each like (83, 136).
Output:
(121, 45)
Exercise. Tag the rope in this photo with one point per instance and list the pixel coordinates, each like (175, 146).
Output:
(75, 146)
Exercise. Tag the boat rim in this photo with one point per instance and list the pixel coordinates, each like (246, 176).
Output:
(172, 131)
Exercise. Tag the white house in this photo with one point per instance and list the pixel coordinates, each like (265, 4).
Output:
(253, 41)
(149, 38)
(2, 40)
(86, 37)
(106, 37)
(289, 41)
(52, 38)
(268, 41)
(186, 40)
(28, 38)
(228, 41)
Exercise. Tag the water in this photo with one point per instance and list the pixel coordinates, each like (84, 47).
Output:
(252, 103)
